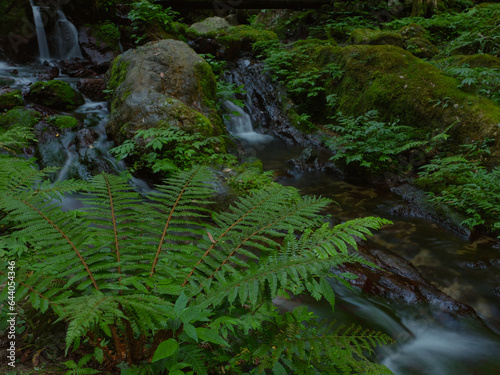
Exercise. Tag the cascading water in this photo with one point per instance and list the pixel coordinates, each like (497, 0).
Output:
(240, 125)
(43, 45)
(63, 38)
(66, 38)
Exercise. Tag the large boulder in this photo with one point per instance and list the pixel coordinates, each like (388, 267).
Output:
(55, 94)
(162, 84)
(400, 85)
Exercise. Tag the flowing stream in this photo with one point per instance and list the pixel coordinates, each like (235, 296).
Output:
(430, 341)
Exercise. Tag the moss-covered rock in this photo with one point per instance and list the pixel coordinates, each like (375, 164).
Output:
(413, 30)
(421, 47)
(241, 38)
(162, 83)
(375, 37)
(63, 122)
(482, 60)
(10, 99)
(55, 94)
(399, 85)
(19, 116)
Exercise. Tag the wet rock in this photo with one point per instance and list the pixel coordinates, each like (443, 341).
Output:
(50, 151)
(312, 159)
(398, 280)
(268, 105)
(47, 73)
(162, 84)
(93, 88)
(98, 52)
(55, 94)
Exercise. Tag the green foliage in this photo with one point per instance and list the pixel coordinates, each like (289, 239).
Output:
(145, 14)
(374, 144)
(250, 177)
(163, 150)
(163, 283)
(463, 183)
(483, 81)
(474, 31)
(15, 137)
(107, 32)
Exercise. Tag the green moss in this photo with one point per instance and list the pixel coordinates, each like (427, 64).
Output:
(107, 33)
(240, 38)
(55, 94)
(375, 37)
(474, 61)
(63, 122)
(20, 116)
(401, 86)
(207, 87)
(421, 48)
(10, 100)
(115, 77)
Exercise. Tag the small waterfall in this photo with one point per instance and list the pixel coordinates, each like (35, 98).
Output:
(66, 38)
(43, 45)
(240, 125)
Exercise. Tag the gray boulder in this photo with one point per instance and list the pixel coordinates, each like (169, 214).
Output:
(162, 84)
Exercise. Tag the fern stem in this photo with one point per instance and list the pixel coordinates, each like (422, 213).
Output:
(67, 239)
(113, 218)
(155, 261)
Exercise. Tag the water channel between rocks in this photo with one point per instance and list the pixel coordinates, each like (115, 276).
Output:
(428, 342)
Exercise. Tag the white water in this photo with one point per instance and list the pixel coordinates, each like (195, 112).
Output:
(66, 37)
(43, 45)
(240, 125)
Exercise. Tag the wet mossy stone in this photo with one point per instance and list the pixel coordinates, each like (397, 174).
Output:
(421, 47)
(19, 116)
(63, 122)
(163, 83)
(402, 86)
(412, 30)
(55, 94)
(11, 99)
(375, 37)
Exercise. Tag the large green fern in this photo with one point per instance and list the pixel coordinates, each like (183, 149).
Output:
(150, 278)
